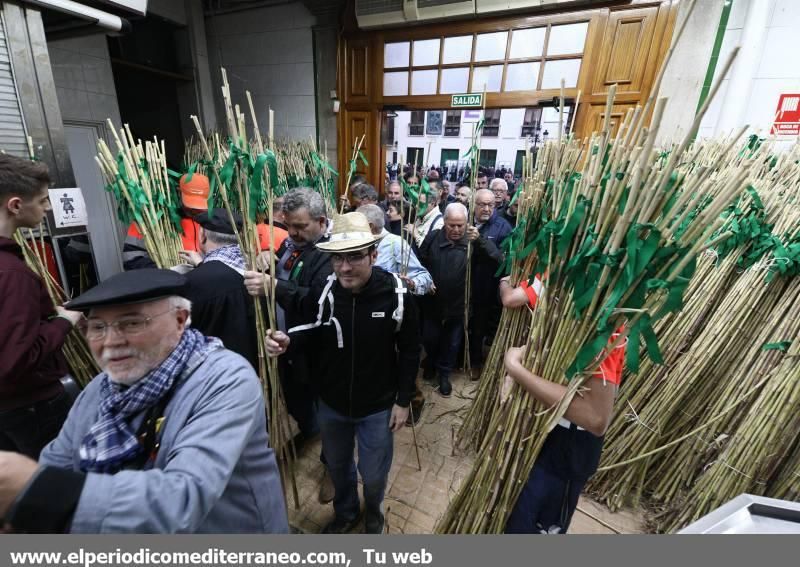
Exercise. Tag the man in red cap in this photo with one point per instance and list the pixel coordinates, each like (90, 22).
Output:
(194, 197)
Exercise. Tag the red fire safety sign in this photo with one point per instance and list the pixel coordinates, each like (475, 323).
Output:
(787, 116)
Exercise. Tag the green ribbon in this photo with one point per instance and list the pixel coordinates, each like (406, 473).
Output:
(782, 346)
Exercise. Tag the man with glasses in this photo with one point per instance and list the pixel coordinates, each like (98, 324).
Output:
(489, 233)
(169, 438)
(364, 335)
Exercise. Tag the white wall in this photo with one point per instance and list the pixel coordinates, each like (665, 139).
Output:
(268, 51)
(776, 69)
(507, 142)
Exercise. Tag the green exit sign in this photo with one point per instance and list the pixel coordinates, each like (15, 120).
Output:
(466, 100)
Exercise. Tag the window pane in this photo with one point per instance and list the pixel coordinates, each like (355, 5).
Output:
(454, 80)
(550, 114)
(395, 84)
(457, 49)
(527, 43)
(490, 76)
(395, 54)
(491, 46)
(567, 39)
(423, 82)
(554, 71)
(426, 52)
(522, 76)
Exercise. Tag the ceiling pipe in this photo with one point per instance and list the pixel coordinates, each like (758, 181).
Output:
(105, 20)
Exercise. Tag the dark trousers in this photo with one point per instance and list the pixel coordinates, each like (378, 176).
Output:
(567, 461)
(442, 339)
(28, 429)
(300, 400)
(483, 325)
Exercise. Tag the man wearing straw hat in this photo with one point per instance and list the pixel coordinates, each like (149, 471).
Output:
(194, 197)
(33, 404)
(169, 438)
(365, 339)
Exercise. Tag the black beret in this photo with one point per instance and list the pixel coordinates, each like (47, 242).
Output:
(219, 221)
(136, 286)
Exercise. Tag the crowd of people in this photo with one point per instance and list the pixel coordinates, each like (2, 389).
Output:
(171, 436)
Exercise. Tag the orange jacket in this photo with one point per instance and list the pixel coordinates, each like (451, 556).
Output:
(263, 236)
(190, 237)
(614, 362)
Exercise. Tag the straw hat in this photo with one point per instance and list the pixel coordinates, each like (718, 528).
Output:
(350, 233)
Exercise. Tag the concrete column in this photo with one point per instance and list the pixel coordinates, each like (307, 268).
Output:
(325, 46)
(734, 107)
(683, 77)
(196, 97)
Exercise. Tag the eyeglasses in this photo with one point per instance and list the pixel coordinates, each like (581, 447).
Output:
(484, 205)
(127, 326)
(352, 259)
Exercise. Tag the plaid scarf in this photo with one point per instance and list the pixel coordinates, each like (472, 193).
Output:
(111, 442)
(231, 256)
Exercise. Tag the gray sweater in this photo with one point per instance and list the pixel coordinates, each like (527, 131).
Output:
(214, 472)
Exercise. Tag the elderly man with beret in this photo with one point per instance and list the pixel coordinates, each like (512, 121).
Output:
(170, 437)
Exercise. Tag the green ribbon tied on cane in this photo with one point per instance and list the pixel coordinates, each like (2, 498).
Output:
(782, 346)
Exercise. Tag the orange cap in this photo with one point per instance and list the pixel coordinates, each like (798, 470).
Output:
(194, 192)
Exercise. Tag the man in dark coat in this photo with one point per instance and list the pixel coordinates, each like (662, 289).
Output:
(489, 233)
(444, 254)
(221, 306)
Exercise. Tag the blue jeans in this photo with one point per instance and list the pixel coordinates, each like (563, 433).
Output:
(375, 447)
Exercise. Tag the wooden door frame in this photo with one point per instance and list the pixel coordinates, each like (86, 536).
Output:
(370, 44)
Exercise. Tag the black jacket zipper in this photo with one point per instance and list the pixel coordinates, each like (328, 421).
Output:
(352, 352)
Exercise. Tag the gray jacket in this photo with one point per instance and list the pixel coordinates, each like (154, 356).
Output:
(214, 472)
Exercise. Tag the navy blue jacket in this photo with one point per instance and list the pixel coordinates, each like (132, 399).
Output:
(484, 282)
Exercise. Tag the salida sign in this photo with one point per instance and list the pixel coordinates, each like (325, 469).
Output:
(787, 116)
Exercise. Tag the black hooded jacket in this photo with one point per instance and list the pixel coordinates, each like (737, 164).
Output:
(376, 365)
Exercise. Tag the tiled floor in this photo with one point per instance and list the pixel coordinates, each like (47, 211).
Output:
(416, 498)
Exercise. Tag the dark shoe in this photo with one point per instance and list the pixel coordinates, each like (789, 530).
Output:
(374, 525)
(445, 389)
(339, 526)
(414, 414)
(326, 489)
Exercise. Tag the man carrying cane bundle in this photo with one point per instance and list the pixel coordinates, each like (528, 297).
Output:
(572, 450)
(33, 404)
(364, 334)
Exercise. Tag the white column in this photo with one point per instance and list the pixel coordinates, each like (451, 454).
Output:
(734, 107)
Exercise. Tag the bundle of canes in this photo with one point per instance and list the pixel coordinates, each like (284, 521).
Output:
(242, 175)
(139, 180)
(787, 481)
(616, 249)
(701, 388)
(514, 323)
(764, 435)
(82, 364)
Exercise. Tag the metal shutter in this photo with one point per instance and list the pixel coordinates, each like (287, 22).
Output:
(12, 127)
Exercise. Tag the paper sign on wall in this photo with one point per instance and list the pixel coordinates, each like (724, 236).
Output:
(69, 209)
(787, 116)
